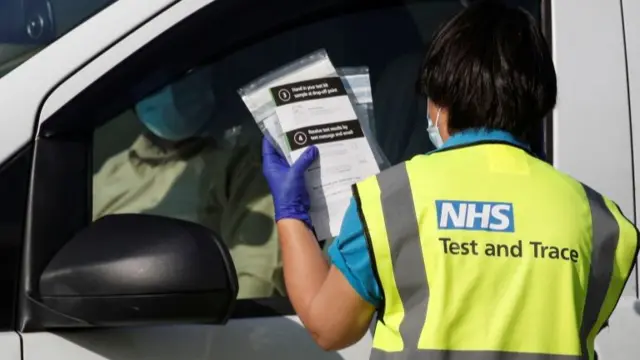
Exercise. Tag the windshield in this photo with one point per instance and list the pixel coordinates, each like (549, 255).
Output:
(27, 27)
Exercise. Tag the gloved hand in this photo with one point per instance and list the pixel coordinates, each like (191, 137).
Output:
(290, 195)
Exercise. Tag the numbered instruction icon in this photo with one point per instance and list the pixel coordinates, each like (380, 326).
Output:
(284, 95)
(300, 138)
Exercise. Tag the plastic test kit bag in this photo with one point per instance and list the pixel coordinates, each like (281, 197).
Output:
(257, 95)
(358, 86)
(330, 188)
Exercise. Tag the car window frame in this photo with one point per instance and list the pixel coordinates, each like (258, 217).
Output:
(64, 122)
(15, 175)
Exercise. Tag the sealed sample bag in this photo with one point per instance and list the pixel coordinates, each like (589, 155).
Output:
(257, 96)
(358, 85)
(306, 103)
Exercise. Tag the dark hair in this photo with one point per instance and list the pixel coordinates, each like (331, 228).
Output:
(491, 67)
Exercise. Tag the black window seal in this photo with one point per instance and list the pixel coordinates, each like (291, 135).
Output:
(265, 307)
(23, 158)
(631, 139)
(547, 30)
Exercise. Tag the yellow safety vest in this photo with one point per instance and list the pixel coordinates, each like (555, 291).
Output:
(484, 252)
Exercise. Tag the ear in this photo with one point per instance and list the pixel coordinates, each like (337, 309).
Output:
(443, 122)
(432, 109)
(436, 112)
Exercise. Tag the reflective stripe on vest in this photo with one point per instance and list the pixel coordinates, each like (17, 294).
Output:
(388, 210)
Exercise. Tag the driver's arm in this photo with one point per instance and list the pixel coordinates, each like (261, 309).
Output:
(248, 227)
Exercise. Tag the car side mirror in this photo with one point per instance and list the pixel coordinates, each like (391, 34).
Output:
(133, 269)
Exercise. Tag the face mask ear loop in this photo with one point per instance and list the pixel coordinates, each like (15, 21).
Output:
(437, 117)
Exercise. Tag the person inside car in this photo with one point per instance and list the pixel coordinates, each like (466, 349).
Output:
(177, 169)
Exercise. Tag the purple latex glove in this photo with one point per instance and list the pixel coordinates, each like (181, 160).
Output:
(290, 195)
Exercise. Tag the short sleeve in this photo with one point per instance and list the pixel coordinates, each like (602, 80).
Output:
(349, 253)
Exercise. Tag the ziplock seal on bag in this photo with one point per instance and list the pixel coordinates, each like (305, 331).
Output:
(258, 99)
(358, 86)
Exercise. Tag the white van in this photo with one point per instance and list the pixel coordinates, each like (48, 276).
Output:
(71, 288)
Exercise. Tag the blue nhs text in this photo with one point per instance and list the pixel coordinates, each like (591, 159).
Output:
(475, 215)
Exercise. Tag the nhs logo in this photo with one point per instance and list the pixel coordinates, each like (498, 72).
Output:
(474, 215)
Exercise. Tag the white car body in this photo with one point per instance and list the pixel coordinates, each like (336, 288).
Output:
(596, 49)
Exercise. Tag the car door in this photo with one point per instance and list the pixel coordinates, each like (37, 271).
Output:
(92, 110)
(92, 107)
(25, 29)
(14, 183)
(593, 127)
(630, 11)
(620, 341)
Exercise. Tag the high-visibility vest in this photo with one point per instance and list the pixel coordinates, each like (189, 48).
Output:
(484, 252)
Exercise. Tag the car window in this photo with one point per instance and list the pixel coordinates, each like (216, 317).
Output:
(26, 27)
(144, 164)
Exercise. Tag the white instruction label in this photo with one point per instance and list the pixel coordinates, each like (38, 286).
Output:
(319, 112)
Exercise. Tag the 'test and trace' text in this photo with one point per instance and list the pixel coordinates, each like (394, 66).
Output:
(491, 217)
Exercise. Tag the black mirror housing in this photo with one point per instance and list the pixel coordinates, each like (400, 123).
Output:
(132, 270)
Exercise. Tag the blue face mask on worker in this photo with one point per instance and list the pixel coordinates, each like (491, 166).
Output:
(434, 132)
(180, 110)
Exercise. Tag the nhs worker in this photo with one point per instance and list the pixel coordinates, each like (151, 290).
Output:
(477, 250)
(177, 169)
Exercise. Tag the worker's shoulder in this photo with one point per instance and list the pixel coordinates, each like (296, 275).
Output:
(389, 179)
(397, 173)
(594, 197)
(544, 169)
(605, 204)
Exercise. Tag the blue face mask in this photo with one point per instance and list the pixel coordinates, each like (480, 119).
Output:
(434, 132)
(180, 110)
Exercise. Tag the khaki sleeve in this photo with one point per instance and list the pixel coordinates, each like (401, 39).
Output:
(248, 226)
(106, 186)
